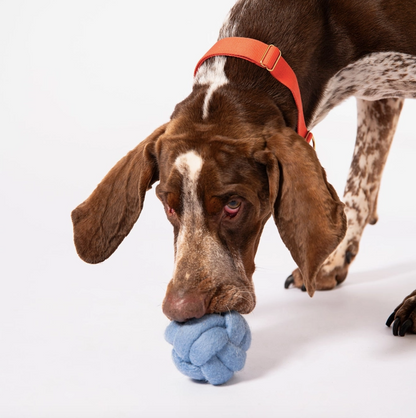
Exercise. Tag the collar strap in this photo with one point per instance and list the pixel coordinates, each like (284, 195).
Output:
(268, 57)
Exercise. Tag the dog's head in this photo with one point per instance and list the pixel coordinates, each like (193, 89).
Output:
(219, 181)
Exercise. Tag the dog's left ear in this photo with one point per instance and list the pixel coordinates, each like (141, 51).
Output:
(306, 209)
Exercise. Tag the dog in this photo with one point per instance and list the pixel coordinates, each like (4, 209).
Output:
(232, 156)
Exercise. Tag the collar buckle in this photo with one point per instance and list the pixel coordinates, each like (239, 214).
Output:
(310, 138)
(271, 61)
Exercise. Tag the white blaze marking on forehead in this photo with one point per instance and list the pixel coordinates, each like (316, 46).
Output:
(189, 165)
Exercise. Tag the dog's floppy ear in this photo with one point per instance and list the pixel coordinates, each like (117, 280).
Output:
(306, 209)
(107, 216)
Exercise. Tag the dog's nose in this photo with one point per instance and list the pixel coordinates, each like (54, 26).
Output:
(181, 307)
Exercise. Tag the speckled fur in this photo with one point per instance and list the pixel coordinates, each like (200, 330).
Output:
(380, 82)
(380, 75)
(377, 123)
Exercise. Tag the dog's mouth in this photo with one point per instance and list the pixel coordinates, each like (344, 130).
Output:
(182, 306)
(232, 298)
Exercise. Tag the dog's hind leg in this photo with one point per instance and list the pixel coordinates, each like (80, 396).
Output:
(376, 125)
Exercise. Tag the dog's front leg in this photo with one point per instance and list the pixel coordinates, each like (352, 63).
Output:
(376, 125)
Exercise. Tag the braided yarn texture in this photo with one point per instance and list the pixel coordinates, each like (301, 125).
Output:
(211, 348)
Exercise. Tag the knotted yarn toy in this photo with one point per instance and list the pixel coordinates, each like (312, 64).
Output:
(211, 348)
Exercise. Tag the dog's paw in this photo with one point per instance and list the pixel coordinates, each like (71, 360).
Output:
(404, 317)
(333, 272)
(296, 280)
(324, 281)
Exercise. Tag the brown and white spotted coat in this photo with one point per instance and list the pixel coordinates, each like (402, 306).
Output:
(230, 157)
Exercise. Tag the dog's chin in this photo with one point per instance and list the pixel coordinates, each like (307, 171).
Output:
(232, 298)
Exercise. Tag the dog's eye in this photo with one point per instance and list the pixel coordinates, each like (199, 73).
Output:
(233, 204)
(232, 207)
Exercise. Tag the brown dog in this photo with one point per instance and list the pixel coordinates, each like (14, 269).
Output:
(230, 156)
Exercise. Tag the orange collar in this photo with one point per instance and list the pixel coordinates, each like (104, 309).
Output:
(268, 57)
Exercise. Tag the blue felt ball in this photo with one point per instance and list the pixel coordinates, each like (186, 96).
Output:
(211, 348)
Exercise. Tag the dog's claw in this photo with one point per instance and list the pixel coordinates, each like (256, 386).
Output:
(405, 327)
(390, 319)
(290, 280)
(400, 329)
(396, 326)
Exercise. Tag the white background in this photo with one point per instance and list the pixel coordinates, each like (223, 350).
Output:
(81, 83)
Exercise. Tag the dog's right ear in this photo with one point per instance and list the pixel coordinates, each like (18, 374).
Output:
(107, 216)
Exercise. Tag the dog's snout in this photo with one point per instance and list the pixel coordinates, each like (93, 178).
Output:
(181, 307)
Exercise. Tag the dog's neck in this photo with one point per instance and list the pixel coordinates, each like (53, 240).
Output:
(228, 111)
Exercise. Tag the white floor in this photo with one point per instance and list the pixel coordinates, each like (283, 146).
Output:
(81, 83)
